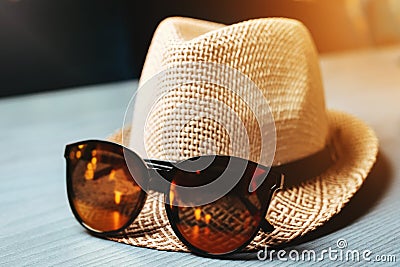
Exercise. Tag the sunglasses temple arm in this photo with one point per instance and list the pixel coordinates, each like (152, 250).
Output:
(280, 181)
(265, 224)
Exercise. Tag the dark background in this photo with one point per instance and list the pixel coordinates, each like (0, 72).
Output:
(53, 44)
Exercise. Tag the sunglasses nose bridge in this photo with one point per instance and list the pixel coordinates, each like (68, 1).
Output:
(160, 179)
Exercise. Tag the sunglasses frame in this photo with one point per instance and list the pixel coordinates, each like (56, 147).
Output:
(137, 210)
(264, 224)
(166, 170)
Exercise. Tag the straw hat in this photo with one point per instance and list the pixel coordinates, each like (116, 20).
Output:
(279, 56)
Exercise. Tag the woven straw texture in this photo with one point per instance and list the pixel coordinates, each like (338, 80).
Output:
(280, 57)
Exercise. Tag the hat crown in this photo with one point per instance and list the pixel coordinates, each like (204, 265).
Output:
(277, 54)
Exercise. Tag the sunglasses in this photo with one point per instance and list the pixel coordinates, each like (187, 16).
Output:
(107, 186)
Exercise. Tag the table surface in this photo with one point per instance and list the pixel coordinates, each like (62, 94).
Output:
(37, 227)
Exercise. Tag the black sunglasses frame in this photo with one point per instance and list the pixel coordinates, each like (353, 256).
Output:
(165, 169)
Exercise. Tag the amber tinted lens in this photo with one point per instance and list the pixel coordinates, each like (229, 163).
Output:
(225, 224)
(100, 187)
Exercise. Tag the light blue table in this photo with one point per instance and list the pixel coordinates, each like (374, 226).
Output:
(37, 227)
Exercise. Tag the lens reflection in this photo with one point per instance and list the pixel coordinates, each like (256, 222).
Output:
(103, 193)
(226, 224)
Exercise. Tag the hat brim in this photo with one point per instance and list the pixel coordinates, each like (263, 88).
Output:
(294, 211)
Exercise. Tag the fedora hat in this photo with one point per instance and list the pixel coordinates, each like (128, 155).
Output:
(325, 154)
